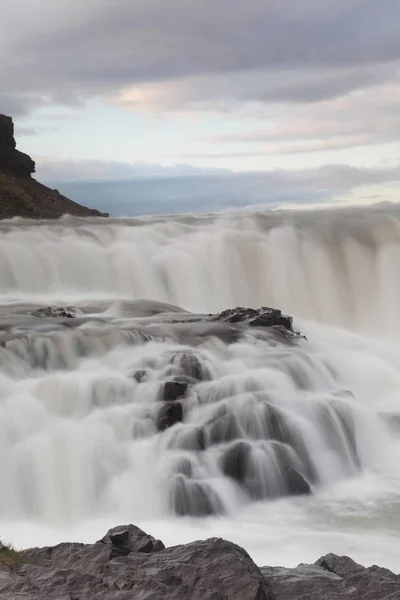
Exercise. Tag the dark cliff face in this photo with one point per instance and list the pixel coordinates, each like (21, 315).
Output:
(12, 160)
(23, 196)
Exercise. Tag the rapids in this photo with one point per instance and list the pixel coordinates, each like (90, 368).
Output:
(264, 420)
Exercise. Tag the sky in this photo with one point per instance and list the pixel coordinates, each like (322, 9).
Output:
(175, 105)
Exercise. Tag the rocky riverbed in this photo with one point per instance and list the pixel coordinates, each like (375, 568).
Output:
(128, 564)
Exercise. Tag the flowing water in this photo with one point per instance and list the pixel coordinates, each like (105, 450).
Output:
(81, 445)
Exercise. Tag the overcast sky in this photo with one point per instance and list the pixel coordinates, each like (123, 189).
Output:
(122, 89)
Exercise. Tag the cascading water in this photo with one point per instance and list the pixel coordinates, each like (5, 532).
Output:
(124, 409)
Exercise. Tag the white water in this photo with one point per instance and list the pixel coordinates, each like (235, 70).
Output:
(79, 451)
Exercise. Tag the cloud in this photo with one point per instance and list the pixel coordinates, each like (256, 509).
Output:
(217, 52)
(152, 189)
(70, 170)
(360, 119)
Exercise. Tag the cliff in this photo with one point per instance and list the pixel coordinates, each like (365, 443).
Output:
(20, 194)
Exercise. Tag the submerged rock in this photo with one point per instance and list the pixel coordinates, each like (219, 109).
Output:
(190, 365)
(169, 414)
(194, 498)
(172, 390)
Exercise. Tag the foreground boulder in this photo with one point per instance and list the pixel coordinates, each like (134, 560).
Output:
(128, 564)
(206, 570)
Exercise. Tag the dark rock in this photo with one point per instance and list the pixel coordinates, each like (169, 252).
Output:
(189, 438)
(261, 317)
(140, 376)
(169, 414)
(223, 429)
(235, 461)
(11, 160)
(55, 312)
(128, 564)
(128, 538)
(296, 483)
(194, 498)
(183, 466)
(22, 196)
(172, 390)
(190, 365)
(307, 582)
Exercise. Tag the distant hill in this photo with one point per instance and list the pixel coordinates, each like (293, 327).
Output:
(23, 196)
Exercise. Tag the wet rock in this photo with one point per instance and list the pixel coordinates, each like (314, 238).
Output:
(189, 438)
(261, 317)
(194, 498)
(183, 466)
(190, 365)
(56, 312)
(140, 376)
(296, 483)
(172, 390)
(224, 429)
(169, 414)
(235, 461)
(128, 538)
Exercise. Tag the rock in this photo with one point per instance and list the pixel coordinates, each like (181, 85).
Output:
(190, 365)
(333, 578)
(55, 312)
(188, 438)
(140, 376)
(20, 194)
(128, 564)
(307, 582)
(261, 317)
(296, 483)
(128, 538)
(169, 414)
(223, 429)
(172, 390)
(194, 498)
(212, 569)
(235, 461)
(11, 160)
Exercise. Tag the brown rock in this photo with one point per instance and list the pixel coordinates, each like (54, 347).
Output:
(22, 196)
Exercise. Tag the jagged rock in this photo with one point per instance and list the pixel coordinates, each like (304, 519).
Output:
(333, 578)
(261, 317)
(129, 564)
(22, 196)
(11, 160)
(169, 414)
(67, 312)
(128, 538)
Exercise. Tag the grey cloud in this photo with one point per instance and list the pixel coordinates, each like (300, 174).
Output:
(174, 191)
(372, 117)
(66, 51)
